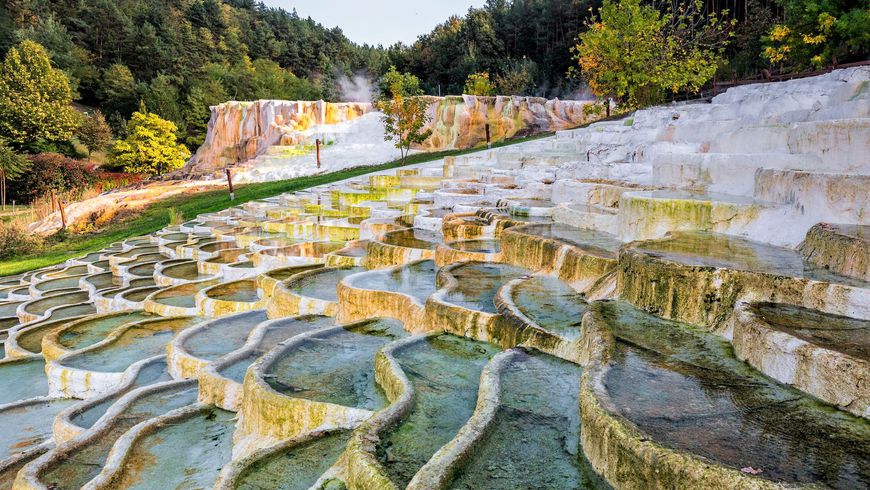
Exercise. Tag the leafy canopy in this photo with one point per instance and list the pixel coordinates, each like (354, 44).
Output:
(479, 84)
(404, 110)
(35, 99)
(816, 33)
(637, 54)
(150, 146)
(95, 132)
(12, 165)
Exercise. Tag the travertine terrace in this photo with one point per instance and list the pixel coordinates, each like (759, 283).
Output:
(677, 299)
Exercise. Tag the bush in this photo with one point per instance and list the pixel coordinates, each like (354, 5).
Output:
(51, 171)
(16, 240)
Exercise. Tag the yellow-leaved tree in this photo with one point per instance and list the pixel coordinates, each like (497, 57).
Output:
(479, 84)
(404, 110)
(637, 54)
(35, 99)
(150, 146)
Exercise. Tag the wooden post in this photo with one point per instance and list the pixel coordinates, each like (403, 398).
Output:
(230, 183)
(317, 142)
(56, 202)
(607, 105)
(488, 142)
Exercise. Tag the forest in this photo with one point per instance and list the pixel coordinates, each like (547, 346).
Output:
(175, 58)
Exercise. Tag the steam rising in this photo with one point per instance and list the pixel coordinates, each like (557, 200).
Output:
(356, 89)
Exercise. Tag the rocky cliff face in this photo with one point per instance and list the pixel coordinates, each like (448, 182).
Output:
(459, 121)
(240, 131)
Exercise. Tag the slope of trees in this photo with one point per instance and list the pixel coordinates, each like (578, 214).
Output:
(180, 56)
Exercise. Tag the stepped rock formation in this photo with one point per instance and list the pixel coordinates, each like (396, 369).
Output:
(623, 305)
(241, 131)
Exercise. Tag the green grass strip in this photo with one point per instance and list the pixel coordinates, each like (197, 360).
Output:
(156, 216)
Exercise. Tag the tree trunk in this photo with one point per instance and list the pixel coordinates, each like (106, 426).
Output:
(3, 187)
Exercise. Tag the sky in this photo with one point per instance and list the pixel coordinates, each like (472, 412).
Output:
(379, 21)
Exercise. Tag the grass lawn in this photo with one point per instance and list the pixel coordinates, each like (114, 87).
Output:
(156, 216)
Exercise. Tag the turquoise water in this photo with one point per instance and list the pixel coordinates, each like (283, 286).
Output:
(534, 440)
(417, 280)
(276, 332)
(154, 372)
(551, 304)
(84, 462)
(337, 367)
(445, 372)
(294, 468)
(187, 453)
(322, 285)
(91, 331)
(478, 283)
(223, 335)
(685, 389)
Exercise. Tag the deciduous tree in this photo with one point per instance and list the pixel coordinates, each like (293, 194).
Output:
(479, 84)
(636, 54)
(35, 99)
(404, 110)
(150, 146)
(94, 132)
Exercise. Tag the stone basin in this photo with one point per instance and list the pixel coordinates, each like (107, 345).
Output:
(412, 238)
(229, 297)
(535, 426)
(28, 340)
(416, 279)
(180, 273)
(177, 300)
(729, 252)
(140, 341)
(192, 350)
(87, 331)
(476, 284)
(184, 448)
(550, 304)
(819, 353)
(221, 380)
(444, 371)
(83, 460)
(85, 415)
(336, 366)
(685, 390)
(277, 331)
(312, 292)
(27, 425)
(306, 458)
(36, 309)
(324, 378)
(399, 292)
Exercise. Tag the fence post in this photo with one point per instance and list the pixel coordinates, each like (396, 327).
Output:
(488, 142)
(230, 183)
(317, 142)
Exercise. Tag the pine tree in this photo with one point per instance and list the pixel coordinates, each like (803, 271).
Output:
(12, 165)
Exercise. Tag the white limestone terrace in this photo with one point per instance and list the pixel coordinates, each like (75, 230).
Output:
(124, 326)
(764, 161)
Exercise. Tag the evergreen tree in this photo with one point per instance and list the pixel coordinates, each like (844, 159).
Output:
(12, 165)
